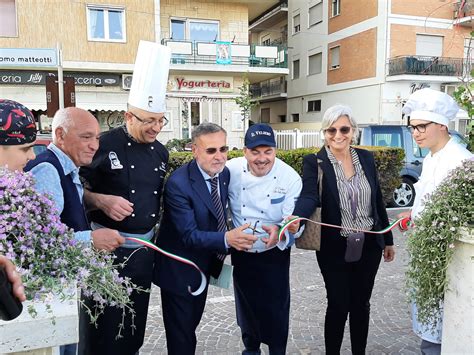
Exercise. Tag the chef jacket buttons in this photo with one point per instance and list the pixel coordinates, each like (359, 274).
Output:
(133, 214)
(132, 166)
(152, 147)
(129, 144)
(153, 215)
(156, 169)
(133, 191)
(155, 192)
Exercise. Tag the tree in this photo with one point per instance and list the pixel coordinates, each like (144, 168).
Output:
(244, 100)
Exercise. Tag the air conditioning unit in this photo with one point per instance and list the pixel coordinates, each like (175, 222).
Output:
(126, 81)
(448, 88)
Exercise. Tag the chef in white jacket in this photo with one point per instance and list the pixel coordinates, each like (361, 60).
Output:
(430, 112)
(262, 192)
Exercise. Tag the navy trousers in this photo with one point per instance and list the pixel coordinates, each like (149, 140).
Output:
(262, 298)
(181, 316)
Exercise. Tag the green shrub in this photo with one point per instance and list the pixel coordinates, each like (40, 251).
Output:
(389, 162)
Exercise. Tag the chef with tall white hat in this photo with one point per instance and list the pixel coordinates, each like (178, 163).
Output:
(124, 185)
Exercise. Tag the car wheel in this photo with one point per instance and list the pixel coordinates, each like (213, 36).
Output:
(404, 195)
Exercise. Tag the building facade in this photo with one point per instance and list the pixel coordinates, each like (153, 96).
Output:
(209, 40)
(372, 54)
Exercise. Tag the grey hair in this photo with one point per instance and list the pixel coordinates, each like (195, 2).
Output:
(206, 128)
(63, 119)
(335, 112)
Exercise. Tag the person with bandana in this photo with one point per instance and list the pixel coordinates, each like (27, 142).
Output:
(17, 135)
(17, 138)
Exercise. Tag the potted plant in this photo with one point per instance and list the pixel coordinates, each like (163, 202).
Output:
(441, 231)
(51, 263)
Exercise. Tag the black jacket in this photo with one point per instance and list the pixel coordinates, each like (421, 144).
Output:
(331, 241)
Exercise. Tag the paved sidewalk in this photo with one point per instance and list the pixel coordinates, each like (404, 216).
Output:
(390, 326)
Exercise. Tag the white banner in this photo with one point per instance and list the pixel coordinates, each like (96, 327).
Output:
(28, 57)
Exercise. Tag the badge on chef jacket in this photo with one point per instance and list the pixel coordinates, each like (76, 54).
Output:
(114, 161)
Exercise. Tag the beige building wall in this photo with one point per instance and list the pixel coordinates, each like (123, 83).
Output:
(403, 40)
(357, 56)
(233, 18)
(425, 8)
(66, 22)
(351, 12)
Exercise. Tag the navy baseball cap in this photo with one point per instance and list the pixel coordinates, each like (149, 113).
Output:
(260, 134)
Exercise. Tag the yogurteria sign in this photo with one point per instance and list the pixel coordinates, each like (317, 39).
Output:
(200, 84)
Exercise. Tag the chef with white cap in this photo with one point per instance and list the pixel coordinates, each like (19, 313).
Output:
(124, 183)
(430, 112)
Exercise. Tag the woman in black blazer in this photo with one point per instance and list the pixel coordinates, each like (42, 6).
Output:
(350, 197)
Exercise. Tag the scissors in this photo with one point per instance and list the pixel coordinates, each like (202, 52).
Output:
(254, 229)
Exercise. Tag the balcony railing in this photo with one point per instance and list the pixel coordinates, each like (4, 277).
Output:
(190, 52)
(267, 88)
(420, 65)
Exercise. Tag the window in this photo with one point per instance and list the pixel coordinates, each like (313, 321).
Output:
(315, 14)
(178, 30)
(296, 69)
(266, 40)
(295, 117)
(265, 115)
(296, 24)
(106, 24)
(314, 106)
(334, 57)
(428, 45)
(202, 31)
(8, 26)
(336, 7)
(194, 30)
(315, 63)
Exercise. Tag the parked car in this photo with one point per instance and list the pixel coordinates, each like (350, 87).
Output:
(400, 137)
(42, 142)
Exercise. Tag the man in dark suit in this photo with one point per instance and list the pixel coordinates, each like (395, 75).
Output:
(193, 227)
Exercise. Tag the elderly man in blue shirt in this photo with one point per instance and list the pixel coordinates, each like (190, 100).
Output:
(56, 171)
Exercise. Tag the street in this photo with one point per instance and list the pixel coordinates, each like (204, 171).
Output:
(390, 326)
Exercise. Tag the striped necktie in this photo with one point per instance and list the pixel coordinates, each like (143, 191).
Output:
(216, 200)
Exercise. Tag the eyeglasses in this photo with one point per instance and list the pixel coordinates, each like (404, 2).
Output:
(419, 127)
(163, 121)
(333, 130)
(212, 151)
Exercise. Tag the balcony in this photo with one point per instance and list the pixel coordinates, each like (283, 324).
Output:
(186, 53)
(268, 90)
(420, 65)
(463, 13)
(269, 18)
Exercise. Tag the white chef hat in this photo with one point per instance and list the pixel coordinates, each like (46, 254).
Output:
(150, 77)
(431, 105)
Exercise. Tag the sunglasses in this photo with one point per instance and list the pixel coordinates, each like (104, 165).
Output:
(333, 130)
(212, 151)
(419, 127)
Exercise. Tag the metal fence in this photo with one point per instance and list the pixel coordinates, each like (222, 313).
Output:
(293, 139)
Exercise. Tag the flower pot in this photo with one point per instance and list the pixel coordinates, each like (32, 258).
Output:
(43, 333)
(458, 320)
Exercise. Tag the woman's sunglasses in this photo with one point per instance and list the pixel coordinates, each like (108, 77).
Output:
(333, 130)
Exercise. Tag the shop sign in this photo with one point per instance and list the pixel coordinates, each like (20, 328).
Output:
(200, 84)
(8, 77)
(28, 57)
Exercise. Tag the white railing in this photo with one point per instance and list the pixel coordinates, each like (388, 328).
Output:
(292, 139)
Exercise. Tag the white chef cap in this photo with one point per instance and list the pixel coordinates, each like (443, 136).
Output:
(431, 105)
(150, 77)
